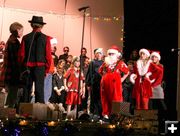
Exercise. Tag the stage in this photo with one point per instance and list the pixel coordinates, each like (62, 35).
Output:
(119, 125)
(69, 128)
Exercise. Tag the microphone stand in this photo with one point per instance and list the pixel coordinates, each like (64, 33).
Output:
(82, 42)
(178, 91)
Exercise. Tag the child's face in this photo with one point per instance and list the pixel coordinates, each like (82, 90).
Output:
(60, 67)
(86, 62)
(143, 56)
(20, 32)
(69, 59)
(155, 59)
(130, 66)
(99, 55)
(77, 64)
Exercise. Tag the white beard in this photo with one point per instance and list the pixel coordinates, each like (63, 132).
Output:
(110, 60)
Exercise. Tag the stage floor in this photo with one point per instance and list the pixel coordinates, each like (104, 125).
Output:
(70, 128)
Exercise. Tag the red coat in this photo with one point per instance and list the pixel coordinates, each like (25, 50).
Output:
(142, 85)
(111, 80)
(157, 77)
(72, 77)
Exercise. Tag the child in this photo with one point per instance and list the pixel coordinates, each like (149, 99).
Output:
(157, 100)
(58, 94)
(71, 84)
(142, 89)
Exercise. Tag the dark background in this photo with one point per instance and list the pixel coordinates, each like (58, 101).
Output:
(153, 24)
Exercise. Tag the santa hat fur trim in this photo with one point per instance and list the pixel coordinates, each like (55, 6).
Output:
(98, 50)
(115, 50)
(53, 41)
(156, 54)
(144, 51)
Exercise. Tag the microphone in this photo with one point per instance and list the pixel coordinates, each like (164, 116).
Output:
(177, 49)
(83, 8)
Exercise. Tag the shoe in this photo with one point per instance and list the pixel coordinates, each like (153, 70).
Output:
(105, 120)
(61, 108)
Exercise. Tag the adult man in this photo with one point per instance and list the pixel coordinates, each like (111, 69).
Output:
(35, 55)
(64, 56)
(111, 82)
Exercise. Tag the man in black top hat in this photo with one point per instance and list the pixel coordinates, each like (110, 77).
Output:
(35, 54)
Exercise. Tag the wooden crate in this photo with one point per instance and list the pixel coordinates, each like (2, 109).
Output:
(120, 107)
(36, 110)
(3, 97)
(54, 115)
(149, 126)
(7, 113)
(146, 114)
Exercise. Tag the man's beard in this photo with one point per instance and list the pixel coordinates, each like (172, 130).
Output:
(110, 60)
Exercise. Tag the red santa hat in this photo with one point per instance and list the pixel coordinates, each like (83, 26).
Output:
(53, 42)
(145, 51)
(157, 54)
(114, 49)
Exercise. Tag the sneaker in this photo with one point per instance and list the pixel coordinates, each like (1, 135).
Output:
(105, 120)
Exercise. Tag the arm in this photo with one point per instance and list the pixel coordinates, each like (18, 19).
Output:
(21, 52)
(124, 77)
(48, 54)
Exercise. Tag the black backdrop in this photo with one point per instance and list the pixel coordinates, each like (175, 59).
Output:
(153, 24)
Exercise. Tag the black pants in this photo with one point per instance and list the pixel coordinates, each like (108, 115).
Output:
(37, 75)
(95, 104)
(159, 104)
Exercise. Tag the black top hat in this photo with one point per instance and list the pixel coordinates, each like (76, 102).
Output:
(37, 19)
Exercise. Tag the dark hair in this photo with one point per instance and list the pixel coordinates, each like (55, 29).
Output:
(84, 49)
(65, 48)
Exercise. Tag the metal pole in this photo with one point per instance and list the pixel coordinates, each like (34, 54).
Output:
(82, 43)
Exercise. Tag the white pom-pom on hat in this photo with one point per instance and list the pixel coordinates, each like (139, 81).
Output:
(53, 41)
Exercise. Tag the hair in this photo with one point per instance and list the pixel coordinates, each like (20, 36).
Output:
(84, 49)
(2, 43)
(59, 64)
(14, 27)
(36, 25)
(65, 47)
(60, 61)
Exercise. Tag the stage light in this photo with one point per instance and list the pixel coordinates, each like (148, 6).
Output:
(52, 123)
(23, 123)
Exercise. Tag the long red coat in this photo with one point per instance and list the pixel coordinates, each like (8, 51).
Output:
(111, 85)
(142, 83)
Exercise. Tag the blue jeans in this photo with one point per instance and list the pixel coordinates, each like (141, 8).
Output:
(47, 87)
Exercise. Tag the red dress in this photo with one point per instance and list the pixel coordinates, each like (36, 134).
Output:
(72, 77)
(111, 85)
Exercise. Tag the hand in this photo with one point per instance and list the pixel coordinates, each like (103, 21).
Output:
(66, 88)
(88, 88)
(58, 92)
(32, 93)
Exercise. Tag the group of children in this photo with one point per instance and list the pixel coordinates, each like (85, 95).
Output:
(145, 76)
